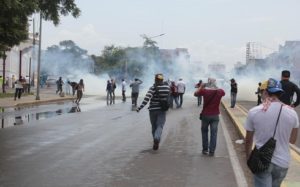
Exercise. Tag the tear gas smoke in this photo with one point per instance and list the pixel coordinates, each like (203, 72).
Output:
(180, 67)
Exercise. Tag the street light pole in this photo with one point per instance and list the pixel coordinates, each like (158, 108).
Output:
(157, 35)
(4, 78)
(39, 61)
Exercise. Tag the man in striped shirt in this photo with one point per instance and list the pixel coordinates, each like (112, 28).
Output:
(159, 91)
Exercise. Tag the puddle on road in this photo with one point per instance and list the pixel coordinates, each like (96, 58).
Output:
(24, 115)
(8, 121)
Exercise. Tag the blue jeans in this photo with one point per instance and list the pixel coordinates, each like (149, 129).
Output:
(134, 98)
(180, 98)
(233, 99)
(273, 177)
(109, 98)
(157, 119)
(212, 122)
(174, 98)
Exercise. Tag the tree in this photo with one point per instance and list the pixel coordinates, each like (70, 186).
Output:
(148, 43)
(14, 17)
(111, 61)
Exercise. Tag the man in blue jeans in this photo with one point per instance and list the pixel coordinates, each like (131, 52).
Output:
(159, 91)
(210, 114)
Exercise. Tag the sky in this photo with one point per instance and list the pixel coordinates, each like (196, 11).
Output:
(214, 31)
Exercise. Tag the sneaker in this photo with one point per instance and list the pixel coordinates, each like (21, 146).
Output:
(155, 145)
(211, 154)
(205, 152)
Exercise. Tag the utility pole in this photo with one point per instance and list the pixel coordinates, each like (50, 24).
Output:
(33, 52)
(3, 78)
(39, 61)
(20, 65)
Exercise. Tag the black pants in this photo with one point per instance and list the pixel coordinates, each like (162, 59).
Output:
(180, 95)
(79, 96)
(134, 97)
(18, 93)
(258, 99)
(123, 95)
(59, 89)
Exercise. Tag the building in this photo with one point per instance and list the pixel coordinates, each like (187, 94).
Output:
(19, 61)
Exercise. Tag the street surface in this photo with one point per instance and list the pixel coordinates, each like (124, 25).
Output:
(112, 146)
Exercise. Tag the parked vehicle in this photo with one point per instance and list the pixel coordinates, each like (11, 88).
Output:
(51, 81)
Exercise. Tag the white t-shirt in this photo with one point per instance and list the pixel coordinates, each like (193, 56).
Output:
(181, 86)
(264, 122)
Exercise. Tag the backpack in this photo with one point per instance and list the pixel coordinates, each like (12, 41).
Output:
(164, 103)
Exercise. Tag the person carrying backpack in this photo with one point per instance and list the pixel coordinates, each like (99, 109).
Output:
(156, 94)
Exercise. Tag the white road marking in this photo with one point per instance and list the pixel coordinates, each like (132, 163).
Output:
(238, 171)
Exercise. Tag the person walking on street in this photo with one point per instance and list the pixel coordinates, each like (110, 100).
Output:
(209, 115)
(258, 93)
(80, 90)
(59, 84)
(263, 121)
(199, 98)
(123, 90)
(174, 94)
(18, 88)
(233, 92)
(113, 86)
(289, 89)
(181, 91)
(159, 91)
(109, 93)
(135, 86)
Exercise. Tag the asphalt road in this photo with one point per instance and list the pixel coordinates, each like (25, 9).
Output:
(111, 146)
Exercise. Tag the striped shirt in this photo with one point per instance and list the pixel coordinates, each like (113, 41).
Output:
(153, 97)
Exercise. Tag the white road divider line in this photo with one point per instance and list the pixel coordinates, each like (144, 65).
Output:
(238, 171)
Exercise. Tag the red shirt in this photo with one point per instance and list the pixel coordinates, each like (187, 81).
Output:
(214, 99)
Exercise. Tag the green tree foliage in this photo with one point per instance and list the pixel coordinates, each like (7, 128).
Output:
(112, 60)
(127, 62)
(53, 9)
(14, 22)
(130, 62)
(14, 17)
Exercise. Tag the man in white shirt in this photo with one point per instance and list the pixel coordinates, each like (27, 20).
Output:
(260, 126)
(181, 91)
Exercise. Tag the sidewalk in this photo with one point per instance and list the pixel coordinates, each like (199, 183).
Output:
(238, 116)
(47, 95)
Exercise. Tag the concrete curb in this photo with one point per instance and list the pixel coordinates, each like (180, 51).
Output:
(241, 131)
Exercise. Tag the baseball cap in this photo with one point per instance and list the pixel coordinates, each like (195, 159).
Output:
(271, 85)
(159, 76)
